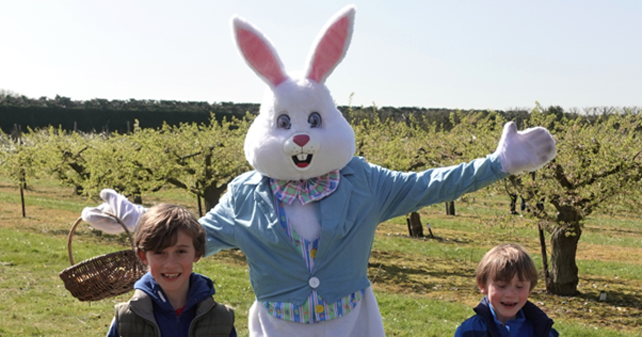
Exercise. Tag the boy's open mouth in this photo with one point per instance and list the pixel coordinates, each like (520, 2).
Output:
(171, 276)
(509, 304)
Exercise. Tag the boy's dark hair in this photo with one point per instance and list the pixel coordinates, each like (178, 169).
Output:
(505, 261)
(158, 229)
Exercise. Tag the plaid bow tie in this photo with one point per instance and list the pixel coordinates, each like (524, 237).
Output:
(305, 190)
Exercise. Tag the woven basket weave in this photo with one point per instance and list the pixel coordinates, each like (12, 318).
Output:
(102, 276)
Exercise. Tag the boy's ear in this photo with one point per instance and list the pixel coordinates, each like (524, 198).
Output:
(482, 288)
(142, 257)
(196, 258)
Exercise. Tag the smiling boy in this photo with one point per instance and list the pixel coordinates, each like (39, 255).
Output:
(171, 300)
(507, 275)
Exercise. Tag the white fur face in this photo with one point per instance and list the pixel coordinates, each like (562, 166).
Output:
(299, 133)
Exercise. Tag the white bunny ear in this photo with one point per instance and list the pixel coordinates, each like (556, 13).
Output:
(258, 52)
(332, 45)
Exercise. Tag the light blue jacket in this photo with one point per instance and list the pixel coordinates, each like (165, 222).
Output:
(367, 195)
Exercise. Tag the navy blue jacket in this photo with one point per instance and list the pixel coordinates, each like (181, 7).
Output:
(483, 324)
(200, 288)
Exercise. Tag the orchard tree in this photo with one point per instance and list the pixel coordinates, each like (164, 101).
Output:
(204, 158)
(596, 160)
(17, 161)
(124, 161)
(61, 155)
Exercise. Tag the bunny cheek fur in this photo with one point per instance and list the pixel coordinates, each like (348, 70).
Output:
(275, 152)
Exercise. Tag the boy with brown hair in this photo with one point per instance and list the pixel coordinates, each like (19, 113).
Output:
(507, 275)
(170, 299)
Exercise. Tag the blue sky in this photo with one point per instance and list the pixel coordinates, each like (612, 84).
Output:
(435, 54)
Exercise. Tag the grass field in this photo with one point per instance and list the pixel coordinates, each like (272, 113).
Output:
(425, 287)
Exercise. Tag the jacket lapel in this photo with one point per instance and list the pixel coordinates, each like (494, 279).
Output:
(265, 201)
(333, 212)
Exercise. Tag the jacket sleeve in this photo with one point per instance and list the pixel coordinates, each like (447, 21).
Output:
(219, 226)
(400, 193)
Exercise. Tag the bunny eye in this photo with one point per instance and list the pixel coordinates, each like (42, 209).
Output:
(314, 120)
(283, 122)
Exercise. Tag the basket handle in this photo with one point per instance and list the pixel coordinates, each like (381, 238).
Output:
(73, 229)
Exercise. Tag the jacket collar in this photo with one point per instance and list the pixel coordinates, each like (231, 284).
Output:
(483, 310)
(541, 322)
(200, 288)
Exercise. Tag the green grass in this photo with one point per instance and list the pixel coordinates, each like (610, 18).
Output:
(424, 287)
(627, 270)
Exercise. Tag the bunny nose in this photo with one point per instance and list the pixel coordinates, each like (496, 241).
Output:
(301, 139)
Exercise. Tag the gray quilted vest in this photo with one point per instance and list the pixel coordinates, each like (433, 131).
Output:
(136, 318)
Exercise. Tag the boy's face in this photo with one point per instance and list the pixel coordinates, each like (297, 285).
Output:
(172, 266)
(507, 298)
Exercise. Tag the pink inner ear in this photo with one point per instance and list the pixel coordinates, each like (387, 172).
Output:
(329, 50)
(260, 56)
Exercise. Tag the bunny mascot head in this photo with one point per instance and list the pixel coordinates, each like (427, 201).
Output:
(299, 133)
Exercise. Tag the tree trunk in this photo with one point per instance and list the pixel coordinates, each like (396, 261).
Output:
(415, 229)
(137, 196)
(211, 194)
(513, 203)
(450, 208)
(563, 278)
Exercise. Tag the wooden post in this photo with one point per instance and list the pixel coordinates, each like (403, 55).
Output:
(22, 200)
(432, 236)
(542, 243)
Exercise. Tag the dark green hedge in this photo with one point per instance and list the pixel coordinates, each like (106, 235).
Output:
(98, 120)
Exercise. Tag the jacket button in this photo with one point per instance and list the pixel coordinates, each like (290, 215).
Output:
(314, 282)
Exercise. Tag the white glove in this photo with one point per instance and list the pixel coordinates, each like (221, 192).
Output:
(527, 150)
(118, 205)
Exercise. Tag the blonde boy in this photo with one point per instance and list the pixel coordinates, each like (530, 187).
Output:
(507, 275)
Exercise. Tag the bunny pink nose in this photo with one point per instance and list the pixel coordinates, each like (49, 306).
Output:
(301, 139)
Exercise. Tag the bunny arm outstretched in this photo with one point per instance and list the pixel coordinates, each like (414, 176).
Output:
(518, 152)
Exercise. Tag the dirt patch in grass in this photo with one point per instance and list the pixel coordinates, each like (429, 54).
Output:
(588, 251)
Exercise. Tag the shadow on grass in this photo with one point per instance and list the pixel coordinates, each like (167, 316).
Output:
(419, 274)
(619, 292)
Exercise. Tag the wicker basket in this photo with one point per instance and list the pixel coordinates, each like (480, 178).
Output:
(105, 275)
